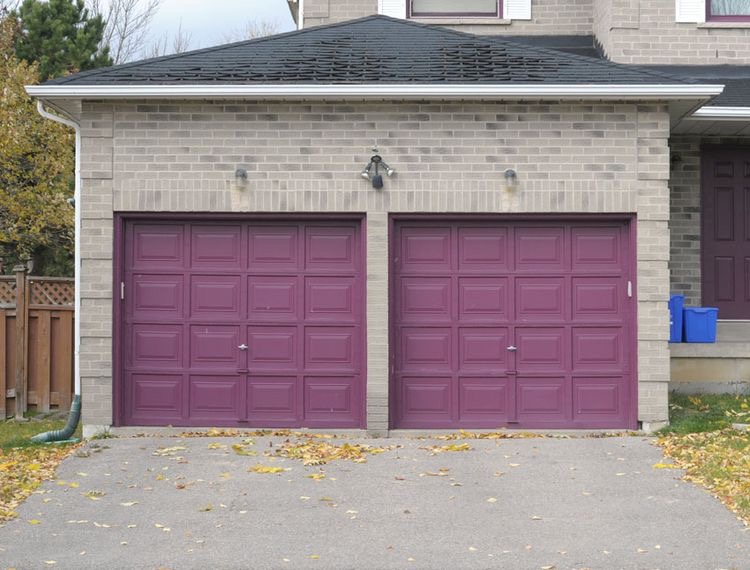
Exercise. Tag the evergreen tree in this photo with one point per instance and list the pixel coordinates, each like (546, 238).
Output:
(61, 36)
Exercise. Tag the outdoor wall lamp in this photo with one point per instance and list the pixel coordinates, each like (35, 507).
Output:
(241, 175)
(511, 179)
(372, 170)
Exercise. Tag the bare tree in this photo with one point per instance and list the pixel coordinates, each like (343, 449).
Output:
(128, 23)
(251, 30)
(7, 6)
(180, 42)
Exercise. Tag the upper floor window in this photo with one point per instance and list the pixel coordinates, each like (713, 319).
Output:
(451, 8)
(728, 10)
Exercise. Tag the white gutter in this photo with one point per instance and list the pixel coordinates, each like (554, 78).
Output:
(77, 264)
(391, 91)
(722, 114)
(301, 14)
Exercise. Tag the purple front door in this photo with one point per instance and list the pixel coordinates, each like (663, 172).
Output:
(518, 324)
(726, 231)
(248, 324)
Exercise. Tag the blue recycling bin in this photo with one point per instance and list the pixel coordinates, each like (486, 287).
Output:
(700, 324)
(676, 304)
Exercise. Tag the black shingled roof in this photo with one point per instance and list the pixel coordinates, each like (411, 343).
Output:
(376, 49)
(735, 78)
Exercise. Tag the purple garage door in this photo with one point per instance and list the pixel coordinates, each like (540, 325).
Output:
(726, 231)
(518, 324)
(250, 324)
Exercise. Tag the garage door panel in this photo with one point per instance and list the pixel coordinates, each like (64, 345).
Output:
(331, 299)
(483, 299)
(156, 346)
(598, 348)
(274, 248)
(155, 397)
(540, 299)
(597, 299)
(483, 400)
(425, 248)
(158, 247)
(426, 349)
(542, 399)
(215, 397)
(158, 297)
(272, 348)
(483, 348)
(273, 399)
(540, 248)
(273, 298)
(425, 300)
(425, 401)
(600, 399)
(331, 248)
(330, 399)
(597, 248)
(214, 347)
(252, 323)
(541, 348)
(216, 246)
(483, 249)
(331, 348)
(215, 297)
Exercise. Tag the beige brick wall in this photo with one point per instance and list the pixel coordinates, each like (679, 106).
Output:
(645, 32)
(305, 157)
(567, 17)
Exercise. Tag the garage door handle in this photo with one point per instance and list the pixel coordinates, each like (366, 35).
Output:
(243, 347)
(512, 348)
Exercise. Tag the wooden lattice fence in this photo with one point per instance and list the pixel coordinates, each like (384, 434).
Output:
(36, 343)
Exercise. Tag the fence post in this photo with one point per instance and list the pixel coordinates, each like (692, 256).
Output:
(22, 319)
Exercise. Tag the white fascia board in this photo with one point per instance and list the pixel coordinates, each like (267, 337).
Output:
(722, 114)
(392, 91)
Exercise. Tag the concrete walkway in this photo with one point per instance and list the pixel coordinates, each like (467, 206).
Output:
(527, 503)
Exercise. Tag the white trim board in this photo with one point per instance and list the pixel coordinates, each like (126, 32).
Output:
(722, 114)
(389, 91)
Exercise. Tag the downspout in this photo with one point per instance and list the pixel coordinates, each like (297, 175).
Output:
(75, 409)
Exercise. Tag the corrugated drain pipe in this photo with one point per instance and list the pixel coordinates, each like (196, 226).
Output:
(75, 409)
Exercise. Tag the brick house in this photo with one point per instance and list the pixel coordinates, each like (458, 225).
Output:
(502, 259)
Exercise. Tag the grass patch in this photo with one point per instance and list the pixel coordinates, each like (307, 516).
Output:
(701, 441)
(705, 412)
(718, 461)
(25, 465)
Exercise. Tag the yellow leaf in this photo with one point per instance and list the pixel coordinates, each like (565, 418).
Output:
(314, 557)
(35, 521)
(265, 469)
(665, 466)
(316, 476)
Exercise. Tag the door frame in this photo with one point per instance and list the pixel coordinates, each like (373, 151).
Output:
(122, 219)
(708, 151)
(629, 219)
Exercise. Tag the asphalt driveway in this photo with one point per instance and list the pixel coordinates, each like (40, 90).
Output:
(522, 503)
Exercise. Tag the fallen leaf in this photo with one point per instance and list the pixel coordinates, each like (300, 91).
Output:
(206, 509)
(536, 518)
(492, 500)
(129, 504)
(316, 476)
(265, 469)
(35, 521)
(665, 466)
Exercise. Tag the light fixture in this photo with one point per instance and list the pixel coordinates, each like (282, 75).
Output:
(511, 179)
(241, 175)
(376, 162)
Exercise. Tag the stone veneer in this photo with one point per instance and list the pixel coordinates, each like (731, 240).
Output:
(306, 157)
